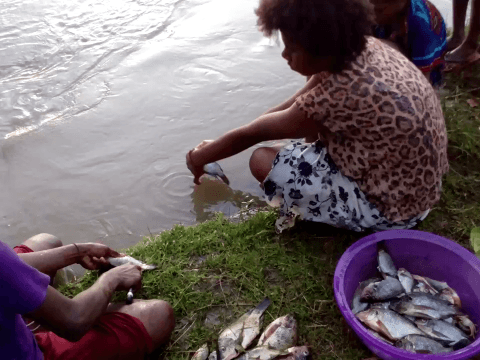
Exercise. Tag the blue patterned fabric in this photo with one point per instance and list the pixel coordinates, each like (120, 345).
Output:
(425, 39)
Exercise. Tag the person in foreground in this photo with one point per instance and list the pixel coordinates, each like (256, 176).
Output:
(417, 29)
(85, 327)
(375, 142)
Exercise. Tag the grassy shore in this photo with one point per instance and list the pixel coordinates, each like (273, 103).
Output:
(213, 272)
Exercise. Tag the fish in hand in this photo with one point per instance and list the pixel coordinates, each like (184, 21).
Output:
(215, 170)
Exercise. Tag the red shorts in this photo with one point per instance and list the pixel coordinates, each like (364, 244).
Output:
(114, 335)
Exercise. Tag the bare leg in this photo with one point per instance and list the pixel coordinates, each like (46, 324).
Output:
(41, 242)
(261, 161)
(156, 315)
(459, 15)
(467, 51)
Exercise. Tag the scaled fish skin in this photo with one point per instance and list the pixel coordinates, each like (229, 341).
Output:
(385, 264)
(240, 334)
(388, 323)
(128, 259)
(281, 334)
(464, 323)
(406, 308)
(213, 355)
(214, 169)
(382, 290)
(421, 344)
(201, 354)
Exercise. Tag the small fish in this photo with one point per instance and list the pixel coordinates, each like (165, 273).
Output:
(214, 169)
(407, 308)
(386, 265)
(281, 334)
(388, 323)
(406, 279)
(128, 259)
(358, 305)
(444, 308)
(437, 285)
(421, 345)
(236, 337)
(464, 323)
(443, 331)
(382, 290)
(201, 354)
(261, 353)
(213, 355)
(381, 305)
(296, 353)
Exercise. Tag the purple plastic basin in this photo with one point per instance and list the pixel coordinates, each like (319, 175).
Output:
(420, 253)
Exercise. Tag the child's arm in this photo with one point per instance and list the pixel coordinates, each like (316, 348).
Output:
(291, 123)
(311, 83)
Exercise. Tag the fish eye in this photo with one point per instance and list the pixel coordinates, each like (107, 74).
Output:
(305, 353)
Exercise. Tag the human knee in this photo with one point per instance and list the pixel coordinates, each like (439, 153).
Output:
(257, 161)
(164, 310)
(43, 241)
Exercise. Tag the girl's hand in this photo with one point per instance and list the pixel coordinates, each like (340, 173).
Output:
(196, 166)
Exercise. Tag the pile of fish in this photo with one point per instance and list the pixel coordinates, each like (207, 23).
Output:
(276, 342)
(412, 312)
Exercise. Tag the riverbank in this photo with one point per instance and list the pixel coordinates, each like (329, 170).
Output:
(213, 272)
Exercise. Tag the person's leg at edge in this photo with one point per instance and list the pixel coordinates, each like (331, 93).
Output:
(459, 15)
(42, 242)
(156, 315)
(467, 51)
(261, 161)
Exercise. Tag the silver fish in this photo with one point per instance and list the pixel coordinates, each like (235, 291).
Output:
(358, 305)
(407, 308)
(388, 323)
(281, 334)
(421, 345)
(128, 259)
(240, 334)
(213, 355)
(296, 353)
(382, 290)
(201, 354)
(444, 308)
(443, 331)
(437, 285)
(381, 305)
(379, 337)
(261, 353)
(385, 264)
(214, 169)
(406, 279)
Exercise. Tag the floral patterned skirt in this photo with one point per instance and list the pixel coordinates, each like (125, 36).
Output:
(304, 182)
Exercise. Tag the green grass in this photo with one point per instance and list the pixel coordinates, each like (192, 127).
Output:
(218, 269)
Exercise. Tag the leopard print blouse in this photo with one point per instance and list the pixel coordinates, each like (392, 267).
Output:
(383, 126)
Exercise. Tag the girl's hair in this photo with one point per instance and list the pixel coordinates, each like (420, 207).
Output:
(322, 27)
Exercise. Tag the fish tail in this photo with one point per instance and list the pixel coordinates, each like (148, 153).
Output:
(149, 267)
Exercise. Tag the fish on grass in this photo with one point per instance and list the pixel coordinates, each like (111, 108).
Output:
(118, 261)
(267, 353)
(236, 337)
(201, 354)
(215, 170)
(281, 334)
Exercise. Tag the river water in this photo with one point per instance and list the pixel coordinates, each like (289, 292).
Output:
(101, 99)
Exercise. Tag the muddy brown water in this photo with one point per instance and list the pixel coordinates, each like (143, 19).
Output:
(102, 99)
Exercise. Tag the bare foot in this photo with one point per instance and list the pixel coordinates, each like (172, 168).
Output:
(454, 42)
(466, 52)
